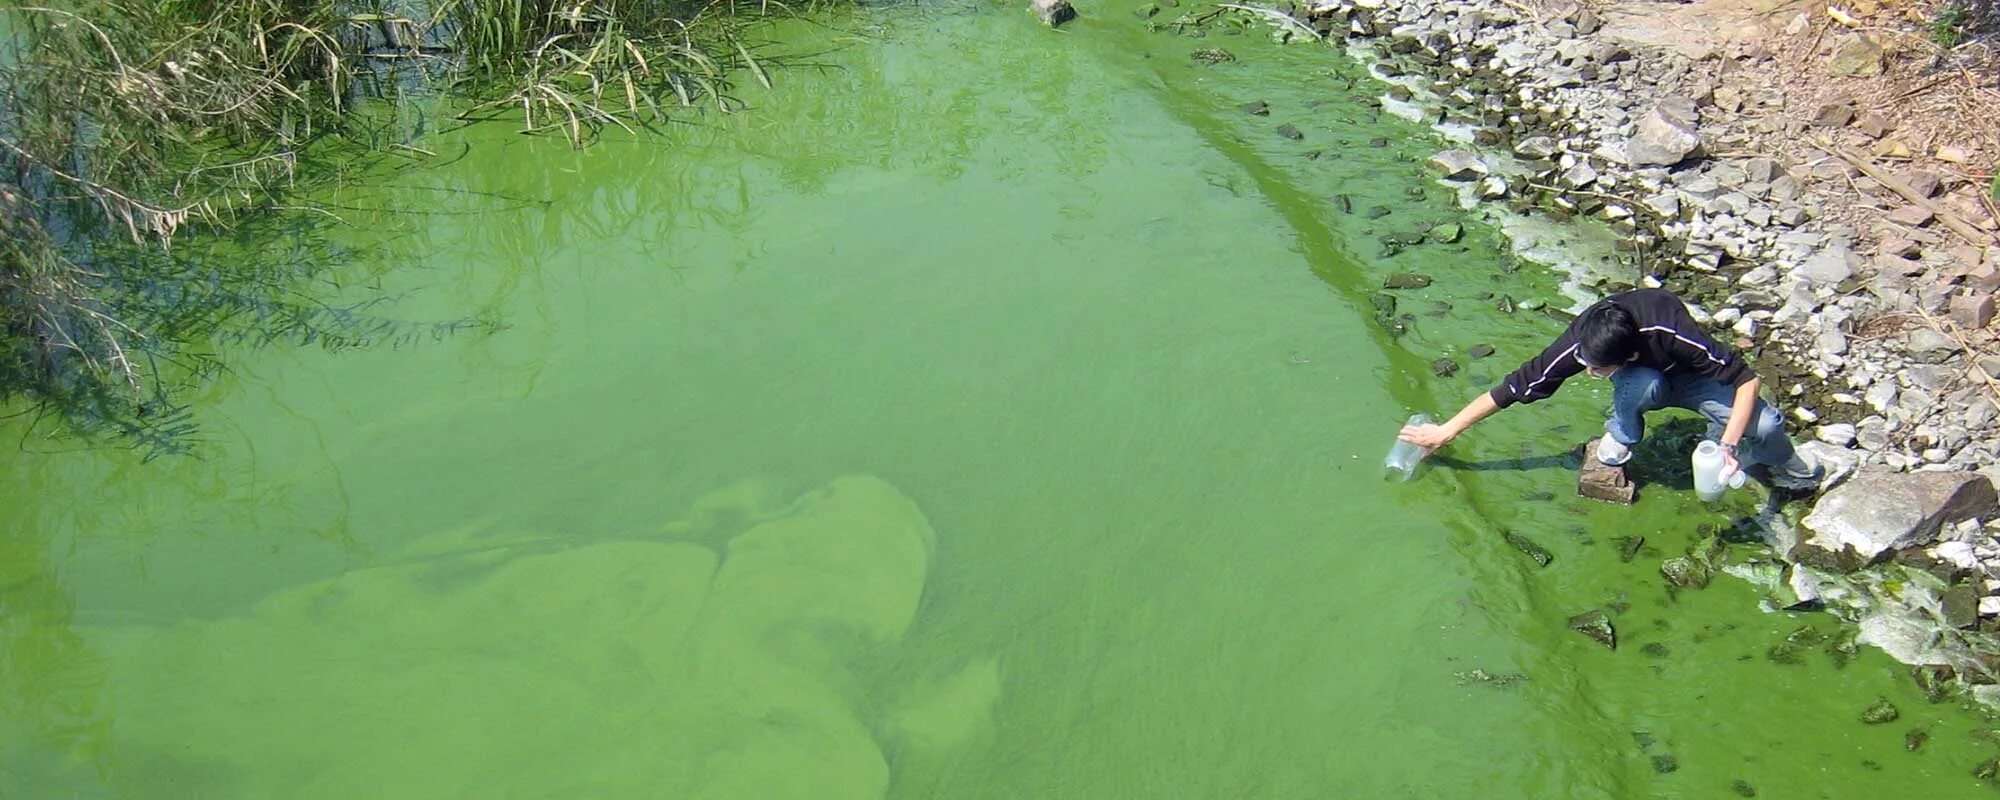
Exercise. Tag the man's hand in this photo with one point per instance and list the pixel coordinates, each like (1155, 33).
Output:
(1427, 436)
(1729, 463)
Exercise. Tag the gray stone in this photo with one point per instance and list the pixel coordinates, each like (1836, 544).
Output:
(1928, 377)
(1856, 55)
(1876, 512)
(1829, 266)
(1663, 139)
(1872, 433)
(1052, 13)
(1832, 342)
(1665, 204)
(1759, 276)
(1761, 170)
(1929, 346)
(1836, 463)
(1458, 165)
(1784, 190)
(1979, 413)
(1536, 147)
(1579, 176)
(1703, 187)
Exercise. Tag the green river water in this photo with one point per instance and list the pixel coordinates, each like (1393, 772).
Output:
(995, 412)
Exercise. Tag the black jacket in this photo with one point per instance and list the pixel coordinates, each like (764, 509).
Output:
(1669, 341)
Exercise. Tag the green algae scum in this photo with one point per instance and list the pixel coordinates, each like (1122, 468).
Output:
(993, 412)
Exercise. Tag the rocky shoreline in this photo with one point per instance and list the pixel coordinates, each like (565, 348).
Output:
(1872, 328)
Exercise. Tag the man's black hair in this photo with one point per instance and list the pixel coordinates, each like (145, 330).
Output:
(1606, 335)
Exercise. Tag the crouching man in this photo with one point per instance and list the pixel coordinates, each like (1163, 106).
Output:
(1655, 356)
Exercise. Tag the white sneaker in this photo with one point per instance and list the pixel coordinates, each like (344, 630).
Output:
(1799, 474)
(1612, 452)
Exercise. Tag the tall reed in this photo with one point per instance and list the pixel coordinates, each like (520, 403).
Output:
(134, 134)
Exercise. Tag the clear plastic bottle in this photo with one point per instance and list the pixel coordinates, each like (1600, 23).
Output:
(1709, 482)
(1403, 456)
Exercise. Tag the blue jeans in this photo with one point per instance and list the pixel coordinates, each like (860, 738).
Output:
(1636, 390)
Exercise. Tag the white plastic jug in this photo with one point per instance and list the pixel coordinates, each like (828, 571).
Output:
(1708, 478)
(1403, 456)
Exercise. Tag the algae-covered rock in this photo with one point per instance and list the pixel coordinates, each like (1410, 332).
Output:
(1447, 233)
(1628, 547)
(1685, 572)
(1915, 739)
(1406, 280)
(1856, 54)
(1445, 368)
(1052, 13)
(1934, 680)
(1527, 546)
(1665, 764)
(1497, 680)
(1742, 788)
(1959, 606)
(1881, 713)
(1988, 770)
(1596, 625)
(1290, 131)
(1479, 351)
(1458, 165)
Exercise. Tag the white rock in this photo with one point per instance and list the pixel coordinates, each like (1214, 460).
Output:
(1881, 396)
(1957, 553)
(1839, 434)
(1760, 276)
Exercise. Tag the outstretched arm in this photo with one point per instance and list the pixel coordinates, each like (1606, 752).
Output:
(1436, 436)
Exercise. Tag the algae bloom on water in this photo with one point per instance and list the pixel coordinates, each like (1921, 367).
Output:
(725, 667)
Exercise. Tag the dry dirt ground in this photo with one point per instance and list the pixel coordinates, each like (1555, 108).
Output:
(1933, 108)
